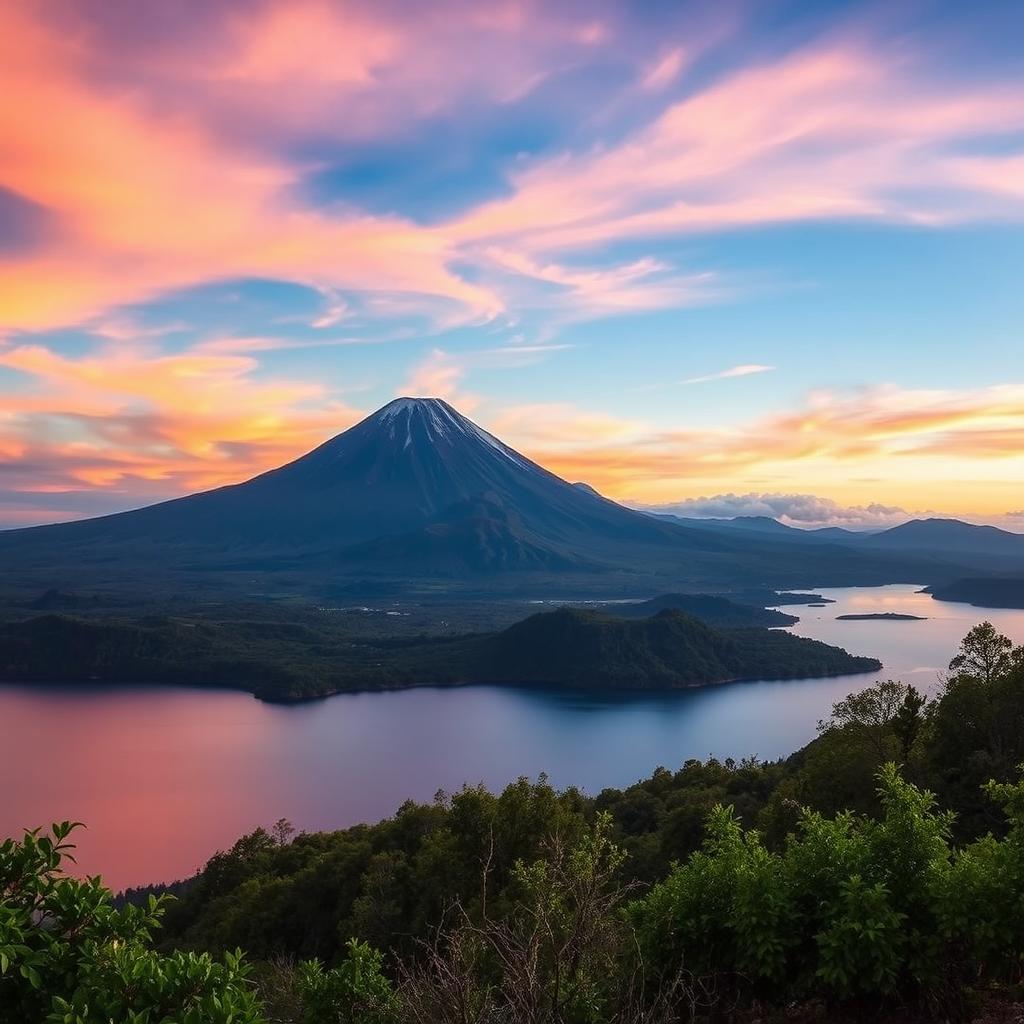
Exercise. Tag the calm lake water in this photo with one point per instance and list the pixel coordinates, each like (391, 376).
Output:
(166, 776)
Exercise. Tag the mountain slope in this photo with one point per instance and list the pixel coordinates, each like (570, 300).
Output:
(417, 491)
(984, 591)
(950, 535)
(397, 471)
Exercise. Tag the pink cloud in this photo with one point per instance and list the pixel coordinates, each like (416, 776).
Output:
(150, 204)
(829, 132)
(131, 419)
(173, 164)
(440, 375)
(665, 69)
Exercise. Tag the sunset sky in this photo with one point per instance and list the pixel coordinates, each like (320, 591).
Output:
(761, 257)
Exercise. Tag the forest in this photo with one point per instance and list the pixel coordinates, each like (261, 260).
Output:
(301, 655)
(878, 871)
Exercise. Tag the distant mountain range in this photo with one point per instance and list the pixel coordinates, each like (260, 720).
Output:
(949, 537)
(417, 495)
(765, 524)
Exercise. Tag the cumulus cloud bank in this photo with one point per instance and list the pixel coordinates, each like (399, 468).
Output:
(803, 510)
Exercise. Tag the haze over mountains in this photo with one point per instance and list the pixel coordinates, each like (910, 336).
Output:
(416, 492)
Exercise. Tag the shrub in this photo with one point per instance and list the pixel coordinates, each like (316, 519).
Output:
(354, 992)
(67, 956)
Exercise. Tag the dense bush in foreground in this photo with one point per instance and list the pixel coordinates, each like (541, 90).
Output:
(68, 957)
(719, 892)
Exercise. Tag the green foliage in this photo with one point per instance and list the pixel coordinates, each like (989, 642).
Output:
(869, 714)
(562, 925)
(981, 898)
(984, 654)
(68, 956)
(555, 952)
(860, 945)
(853, 907)
(975, 731)
(571, 647)
(129, 982)
(354, 992)
(908, 720)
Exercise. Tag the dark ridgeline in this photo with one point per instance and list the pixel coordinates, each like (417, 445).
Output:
(984, 591)
(710, 608)
(950, 535)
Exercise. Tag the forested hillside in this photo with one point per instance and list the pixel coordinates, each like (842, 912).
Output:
(294, 660)
(880, 870)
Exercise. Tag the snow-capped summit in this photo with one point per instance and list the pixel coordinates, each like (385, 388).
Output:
(437, 421)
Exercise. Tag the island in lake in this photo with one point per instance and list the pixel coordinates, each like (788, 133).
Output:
(881, 616)
(569, 647)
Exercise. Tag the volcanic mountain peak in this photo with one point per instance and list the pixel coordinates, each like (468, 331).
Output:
(415, 488)
(433, 420)
(436, 415)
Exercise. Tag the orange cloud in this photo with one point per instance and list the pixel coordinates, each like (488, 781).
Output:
(145, 204)
(914, 445)
(123, 415)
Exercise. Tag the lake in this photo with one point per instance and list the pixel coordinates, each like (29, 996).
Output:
(164, 776)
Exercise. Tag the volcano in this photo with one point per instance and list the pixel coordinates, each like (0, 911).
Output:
(414, 490)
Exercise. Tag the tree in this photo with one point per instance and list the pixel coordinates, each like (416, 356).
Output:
(984, 653)
(282, 831)
(908, 720)
(869, 714)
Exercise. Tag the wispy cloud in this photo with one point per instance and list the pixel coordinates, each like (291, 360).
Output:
(335, 310)
(913, 443)
(743, 370)
(198, 178)
(440, 375)
(665, 69)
